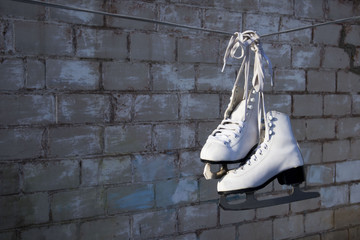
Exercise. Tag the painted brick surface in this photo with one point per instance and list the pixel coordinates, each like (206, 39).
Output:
(64, 174)
(77, 204)
(103, 119)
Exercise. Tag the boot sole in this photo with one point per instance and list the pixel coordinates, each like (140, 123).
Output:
(231, 161)
(292, 176)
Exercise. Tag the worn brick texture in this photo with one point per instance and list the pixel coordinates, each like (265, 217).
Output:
(103, 119)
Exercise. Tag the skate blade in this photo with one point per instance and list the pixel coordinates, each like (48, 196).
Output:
(252, 203)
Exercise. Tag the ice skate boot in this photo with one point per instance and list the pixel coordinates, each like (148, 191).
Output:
(235, 138)
(238, 134)
(278, 156)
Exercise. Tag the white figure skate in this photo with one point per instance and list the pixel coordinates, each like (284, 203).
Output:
(279, 157)
(238, 134)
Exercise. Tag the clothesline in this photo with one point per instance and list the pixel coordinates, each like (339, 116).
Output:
(61, 6)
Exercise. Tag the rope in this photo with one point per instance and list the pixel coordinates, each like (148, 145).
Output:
(60, 6)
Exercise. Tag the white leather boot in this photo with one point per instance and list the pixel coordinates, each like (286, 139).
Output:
(233, 139)
(278, 156)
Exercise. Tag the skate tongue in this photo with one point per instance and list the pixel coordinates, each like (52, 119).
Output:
(239, 112)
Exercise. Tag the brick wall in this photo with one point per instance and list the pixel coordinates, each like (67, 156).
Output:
(102, 119)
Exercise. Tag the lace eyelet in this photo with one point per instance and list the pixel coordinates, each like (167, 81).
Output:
(250, 107)
(252, 99)
(271, 132)
(270, 124)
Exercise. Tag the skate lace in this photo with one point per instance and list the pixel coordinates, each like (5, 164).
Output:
(227, 130)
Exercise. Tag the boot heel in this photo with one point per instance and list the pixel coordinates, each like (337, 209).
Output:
(292, 176)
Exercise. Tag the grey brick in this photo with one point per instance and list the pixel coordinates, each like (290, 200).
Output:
(278, 7)
(9, 178)
(192, 50)
(199, 106)
(319, 221)
(63, 174)
(347, 171)
(337, 104)
(263, 24)
(222, 20)
(223, 233)
(11, 74)
(334, 196)
(320, 175)
(55, 232)
(280, 103)
(106, 171)
(348, 127)
(6, 39)
(336, 150)
(8, 235)
(83, 108)
(355, 193)
(306, 57)
(197, 217)
(252, 230)
(239, 6)
(35, 74)
(21, 10)
(21, 210)
(308, 105)
(208, 189)
(74, 141)
(228, 217)
(127, 138)
(154, 224)
(303, 36)
(173, 77)
(311, 152)
(154, 47)
(211, 78)
(98, 43)
(180, 14)
(341, 60)
(122, 107)
(348, 82)
(20, 143)
(355, 148)
(171, 136)
(130, 198)
(108, 228)
(339, 234)
(27, 109)
(348, 215)
(43, 38)
(189, 236)
(137, 9)
(309, 9)
(125, 76)
(321, 81)
(162, 167)
(279, 54)
(187, 165)
(329, 35)
(289, 80)
(279, 210)
(299, 128)
(356, 104)
(354, 233)
(72, 74)
(320, 128)
(156, 107)
(305, 206)
(79, 203)
(173, 192)
(76, 17)
(340, 9)
(294, 227)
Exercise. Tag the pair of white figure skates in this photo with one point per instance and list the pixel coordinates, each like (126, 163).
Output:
(238, 138)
